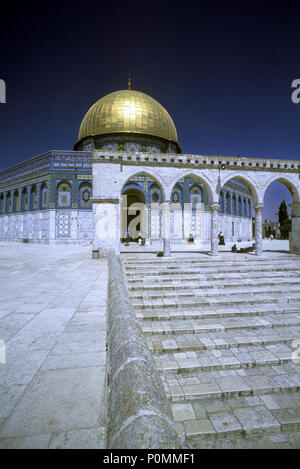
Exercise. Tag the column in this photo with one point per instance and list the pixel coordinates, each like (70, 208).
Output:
(166, 228)
(295, 233)
(258, 229)
(214, 228)
(106, 226)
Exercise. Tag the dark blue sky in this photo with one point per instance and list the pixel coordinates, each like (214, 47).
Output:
(223, 70)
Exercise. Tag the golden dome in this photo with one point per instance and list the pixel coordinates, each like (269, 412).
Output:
(128, 111)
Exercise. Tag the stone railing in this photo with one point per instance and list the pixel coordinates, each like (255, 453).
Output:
(139, 414)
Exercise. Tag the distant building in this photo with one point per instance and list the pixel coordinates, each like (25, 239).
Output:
(271, 228)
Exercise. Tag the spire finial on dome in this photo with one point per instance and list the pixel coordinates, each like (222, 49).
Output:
(129, 81)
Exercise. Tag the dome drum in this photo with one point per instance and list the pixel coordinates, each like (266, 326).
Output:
(127, 142)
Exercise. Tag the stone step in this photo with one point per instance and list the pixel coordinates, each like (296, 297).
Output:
(211, 267)
(151, 287)
(232, 359)
(221, 386)
(227, 324)
(242, 277)
(160, 343)
(182, 260)
(207, 292)
(224, 300)
(268, 414)
(287, 439)
(217, 312)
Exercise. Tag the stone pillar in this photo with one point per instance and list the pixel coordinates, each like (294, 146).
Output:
(166, 228)
(214, 228)
(258, 229)
(106, 225)
(295, 233)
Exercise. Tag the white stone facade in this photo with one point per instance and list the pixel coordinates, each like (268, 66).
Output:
(112, 170)
(47, 226)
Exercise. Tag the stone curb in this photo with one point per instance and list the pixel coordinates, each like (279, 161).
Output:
(139, 415)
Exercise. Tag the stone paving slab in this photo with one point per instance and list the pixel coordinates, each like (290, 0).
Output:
(53, 319)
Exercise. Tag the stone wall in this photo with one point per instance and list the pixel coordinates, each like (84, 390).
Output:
(139, 414)
(47, 226)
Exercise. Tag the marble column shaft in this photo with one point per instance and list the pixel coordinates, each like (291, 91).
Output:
(258, 229)
(214, 228)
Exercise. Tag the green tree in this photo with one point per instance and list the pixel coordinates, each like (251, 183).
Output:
(284, 221)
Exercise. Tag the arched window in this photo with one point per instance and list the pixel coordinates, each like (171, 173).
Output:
(228, 203)
(8, 202)
(249, 209)
(176, 197)
(44, 195)
(155, 194)
(63, 195)
(34, 203)
(196, 196)
(85, 194)
(240, 208)
(233, 205)
(221, 202)
(244, 208)
(16, 201)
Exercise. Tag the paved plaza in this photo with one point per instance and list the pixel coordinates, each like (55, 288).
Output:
(53, 321)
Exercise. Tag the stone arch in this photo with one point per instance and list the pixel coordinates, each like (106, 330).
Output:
(249, 183)
(151, 174)
(134, 196)
(295, 191)
(203, 179)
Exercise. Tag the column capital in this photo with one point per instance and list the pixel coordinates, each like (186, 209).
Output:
(259, 207)
(214, 207)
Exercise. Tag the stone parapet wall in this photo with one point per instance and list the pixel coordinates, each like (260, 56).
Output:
(139, 414)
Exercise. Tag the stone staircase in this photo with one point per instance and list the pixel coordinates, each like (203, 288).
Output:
(222, 331)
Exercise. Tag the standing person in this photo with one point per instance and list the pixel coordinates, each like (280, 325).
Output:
(271, 236)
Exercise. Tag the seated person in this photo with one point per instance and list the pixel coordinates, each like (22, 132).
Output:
(190, 239)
